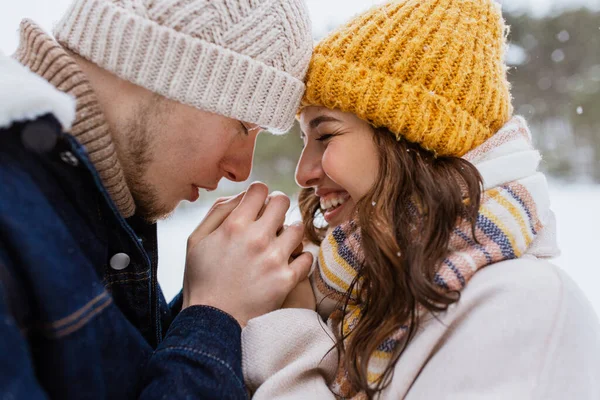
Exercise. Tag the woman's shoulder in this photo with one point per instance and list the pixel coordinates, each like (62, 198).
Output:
(533, 296)
(536, 281)
(521, 329)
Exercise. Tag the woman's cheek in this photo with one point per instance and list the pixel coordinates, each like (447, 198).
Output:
(341, 169)
(332, 164)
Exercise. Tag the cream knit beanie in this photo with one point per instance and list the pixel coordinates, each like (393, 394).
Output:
(244, 59)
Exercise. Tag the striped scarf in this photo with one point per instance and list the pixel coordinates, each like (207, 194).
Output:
(514, 209)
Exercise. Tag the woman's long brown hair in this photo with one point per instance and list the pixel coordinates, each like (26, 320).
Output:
(406, 221)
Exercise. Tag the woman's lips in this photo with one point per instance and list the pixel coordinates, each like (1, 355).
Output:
(334, 214)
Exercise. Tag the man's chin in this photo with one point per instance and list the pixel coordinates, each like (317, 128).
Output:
(153, 219)
(152, 213)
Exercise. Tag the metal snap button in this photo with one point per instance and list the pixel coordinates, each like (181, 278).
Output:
(69, 158)
(120, 261)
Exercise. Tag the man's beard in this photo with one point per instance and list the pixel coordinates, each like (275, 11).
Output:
(137, 154)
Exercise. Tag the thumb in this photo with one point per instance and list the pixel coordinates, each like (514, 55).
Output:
(214, 218)
(301, 267)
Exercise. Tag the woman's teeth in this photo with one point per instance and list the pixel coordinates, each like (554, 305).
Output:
(332, 202)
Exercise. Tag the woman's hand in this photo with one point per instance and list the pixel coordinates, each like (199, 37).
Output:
(302, 296)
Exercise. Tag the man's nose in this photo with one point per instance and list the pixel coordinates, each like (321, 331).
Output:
(239, 165)
(239, 174)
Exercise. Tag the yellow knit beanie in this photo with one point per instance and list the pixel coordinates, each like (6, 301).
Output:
(431, 71)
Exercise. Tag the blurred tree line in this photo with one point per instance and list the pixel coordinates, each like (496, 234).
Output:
(556, 86)
(555, 76)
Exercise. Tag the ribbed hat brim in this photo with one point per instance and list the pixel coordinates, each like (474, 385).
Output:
(182, 68)
(413, 112)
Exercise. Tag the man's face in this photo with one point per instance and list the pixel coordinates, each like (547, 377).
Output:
(170, 151)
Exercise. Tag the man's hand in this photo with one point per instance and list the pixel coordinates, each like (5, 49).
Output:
(237, 263)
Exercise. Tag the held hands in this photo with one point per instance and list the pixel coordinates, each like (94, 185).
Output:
(236, 262)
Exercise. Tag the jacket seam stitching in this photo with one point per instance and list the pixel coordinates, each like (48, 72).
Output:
(210, 356)
(224, 313)
(126, 274)
(110, 283)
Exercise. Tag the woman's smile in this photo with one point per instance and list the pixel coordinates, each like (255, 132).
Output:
(333, 206)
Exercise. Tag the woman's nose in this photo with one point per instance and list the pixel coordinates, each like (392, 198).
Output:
(309, 171)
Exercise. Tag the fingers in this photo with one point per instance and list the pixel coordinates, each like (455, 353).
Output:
(298, 250)
(252, 202)
(215, 217)
(300, 268)
(291, 238)
(274, 214)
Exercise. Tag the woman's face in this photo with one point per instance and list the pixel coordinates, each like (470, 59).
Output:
(340, 160)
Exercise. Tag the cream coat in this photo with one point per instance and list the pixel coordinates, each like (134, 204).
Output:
(521, 330)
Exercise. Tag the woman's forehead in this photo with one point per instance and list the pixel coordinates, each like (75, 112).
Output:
(309, 114)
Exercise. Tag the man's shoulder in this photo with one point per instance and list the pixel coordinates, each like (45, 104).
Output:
(19, 164)
(33, 116)
(44, 189)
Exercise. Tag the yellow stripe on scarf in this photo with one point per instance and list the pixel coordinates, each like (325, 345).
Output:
(514, 211)
(331, 275)
(489, 215)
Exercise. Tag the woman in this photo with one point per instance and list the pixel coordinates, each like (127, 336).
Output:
(431, 272)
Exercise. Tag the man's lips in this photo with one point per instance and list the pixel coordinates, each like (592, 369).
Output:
(194, 194)
(195, 191)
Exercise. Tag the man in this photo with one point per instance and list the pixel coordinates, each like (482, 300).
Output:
(136, 106)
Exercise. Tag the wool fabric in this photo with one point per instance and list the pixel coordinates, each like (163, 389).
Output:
(242, 59)
(510, 217)
(431, 71)
(42, 55)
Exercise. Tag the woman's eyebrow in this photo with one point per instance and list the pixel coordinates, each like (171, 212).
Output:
(321, 119)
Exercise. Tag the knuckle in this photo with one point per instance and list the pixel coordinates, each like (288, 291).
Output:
(274, 258)
(233, 226)
(271, 261)
(290, 277)
(260, 242)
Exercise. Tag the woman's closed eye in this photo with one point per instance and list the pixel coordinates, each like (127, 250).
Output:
(326, 137)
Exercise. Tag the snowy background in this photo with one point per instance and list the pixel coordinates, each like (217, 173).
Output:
(576, 204)
(577, 207)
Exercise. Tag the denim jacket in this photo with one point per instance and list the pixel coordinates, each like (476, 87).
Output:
(73, 326)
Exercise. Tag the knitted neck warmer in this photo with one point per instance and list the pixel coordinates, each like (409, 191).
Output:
(44, 56)
(514, 210)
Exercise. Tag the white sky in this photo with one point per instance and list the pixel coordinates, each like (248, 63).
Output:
(324, 13)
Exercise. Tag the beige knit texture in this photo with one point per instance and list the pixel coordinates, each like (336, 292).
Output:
(244, 59)
(45, 57)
